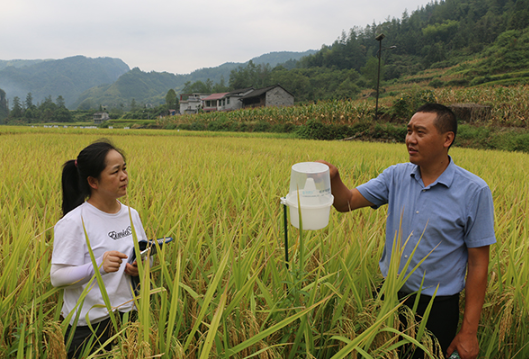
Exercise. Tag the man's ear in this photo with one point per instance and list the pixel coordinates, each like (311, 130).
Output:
(449, 139)
(93, 182)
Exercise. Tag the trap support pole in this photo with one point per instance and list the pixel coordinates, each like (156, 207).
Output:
(285, 226)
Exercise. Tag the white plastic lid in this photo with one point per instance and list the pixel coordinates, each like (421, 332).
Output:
(310, 167)
(311, 179)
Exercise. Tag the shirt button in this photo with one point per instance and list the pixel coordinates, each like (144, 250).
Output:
(406, 256)
(417, 212)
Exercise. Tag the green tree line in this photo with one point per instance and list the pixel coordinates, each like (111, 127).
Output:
(46, 111)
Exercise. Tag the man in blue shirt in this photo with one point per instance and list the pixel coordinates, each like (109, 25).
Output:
(450, 210)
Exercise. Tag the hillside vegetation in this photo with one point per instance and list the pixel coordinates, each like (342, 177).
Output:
(67, 77)
(88, 83)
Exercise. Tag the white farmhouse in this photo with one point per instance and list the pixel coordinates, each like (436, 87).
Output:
(100, 117)
(214, 101)
(191, 103)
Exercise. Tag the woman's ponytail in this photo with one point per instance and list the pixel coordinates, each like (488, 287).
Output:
(90, 162)
(72, 193)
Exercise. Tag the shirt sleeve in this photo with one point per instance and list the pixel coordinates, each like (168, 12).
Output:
(480, 221)
(376, 190)
(69, 243)
(73, 276)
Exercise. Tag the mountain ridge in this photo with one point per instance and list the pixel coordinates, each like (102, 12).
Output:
(63, 77)
(67, 77)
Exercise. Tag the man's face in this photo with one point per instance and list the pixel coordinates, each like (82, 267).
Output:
(425, 144)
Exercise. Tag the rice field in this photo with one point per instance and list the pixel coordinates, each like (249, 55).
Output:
(222, 289)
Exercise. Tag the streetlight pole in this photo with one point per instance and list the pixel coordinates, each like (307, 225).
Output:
(379, 38)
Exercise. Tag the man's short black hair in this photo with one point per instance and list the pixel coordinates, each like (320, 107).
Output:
(446, 119)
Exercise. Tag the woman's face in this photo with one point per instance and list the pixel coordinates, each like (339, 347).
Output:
(113, 180)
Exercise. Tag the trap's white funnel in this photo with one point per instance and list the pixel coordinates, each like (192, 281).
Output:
(311, 180)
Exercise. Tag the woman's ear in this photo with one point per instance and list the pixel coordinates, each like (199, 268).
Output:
(93, 182)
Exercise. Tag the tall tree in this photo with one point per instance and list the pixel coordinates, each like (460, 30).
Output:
(4, 110)
(60, 102)
(62, 115)
(171, 101)
(209, 85)
(47, 110)
(29, 101)
(195, 87)
(370, 71)
(17, 111)
(221, 86)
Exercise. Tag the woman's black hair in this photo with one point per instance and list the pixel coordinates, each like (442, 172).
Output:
(90, 162)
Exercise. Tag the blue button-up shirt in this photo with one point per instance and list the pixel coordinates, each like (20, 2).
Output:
(450, 215)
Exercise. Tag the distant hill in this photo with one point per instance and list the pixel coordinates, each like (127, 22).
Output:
(18, 63)
(89, 82)
(67, 77)
(276, 58)
(273, 58)
(143, 87)
(151, 87)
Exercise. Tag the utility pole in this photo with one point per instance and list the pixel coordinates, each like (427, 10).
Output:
(379, 38)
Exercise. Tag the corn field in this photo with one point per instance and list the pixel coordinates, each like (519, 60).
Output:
(335, 111)
(221, 289)
(509, 107)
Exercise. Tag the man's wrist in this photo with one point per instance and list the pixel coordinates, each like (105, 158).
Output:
(469, 329)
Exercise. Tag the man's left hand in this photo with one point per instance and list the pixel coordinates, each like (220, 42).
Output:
(466, 344)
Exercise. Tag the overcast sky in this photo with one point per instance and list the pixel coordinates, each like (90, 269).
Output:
(181, 36)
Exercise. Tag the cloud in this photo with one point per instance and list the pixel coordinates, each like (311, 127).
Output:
(181, 36)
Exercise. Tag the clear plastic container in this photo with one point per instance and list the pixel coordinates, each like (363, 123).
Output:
(312, 182)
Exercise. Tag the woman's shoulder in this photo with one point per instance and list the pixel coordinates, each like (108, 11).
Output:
(74, 215)
(71, 220)
(125, 210)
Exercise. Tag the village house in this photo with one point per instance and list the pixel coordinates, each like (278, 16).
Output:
(272, 96)
(213, 102)
(243, 98)
(225, 101)
(233, 99)
(100, 117)
(191, 103)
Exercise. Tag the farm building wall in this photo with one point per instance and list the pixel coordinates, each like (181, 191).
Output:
(279, 97)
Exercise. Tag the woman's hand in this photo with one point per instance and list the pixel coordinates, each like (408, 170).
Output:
(112, 261)
(132, 269)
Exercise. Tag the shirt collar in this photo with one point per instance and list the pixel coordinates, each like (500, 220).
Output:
(446, 178)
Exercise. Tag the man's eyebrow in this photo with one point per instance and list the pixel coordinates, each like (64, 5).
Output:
(417, 126)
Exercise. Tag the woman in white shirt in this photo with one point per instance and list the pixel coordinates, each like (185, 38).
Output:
(91, 186)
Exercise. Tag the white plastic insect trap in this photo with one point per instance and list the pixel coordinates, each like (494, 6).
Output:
(310, 195)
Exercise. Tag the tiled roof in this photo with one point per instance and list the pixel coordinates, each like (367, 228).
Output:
(215, 96)
(259, 92)
(240, 91)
